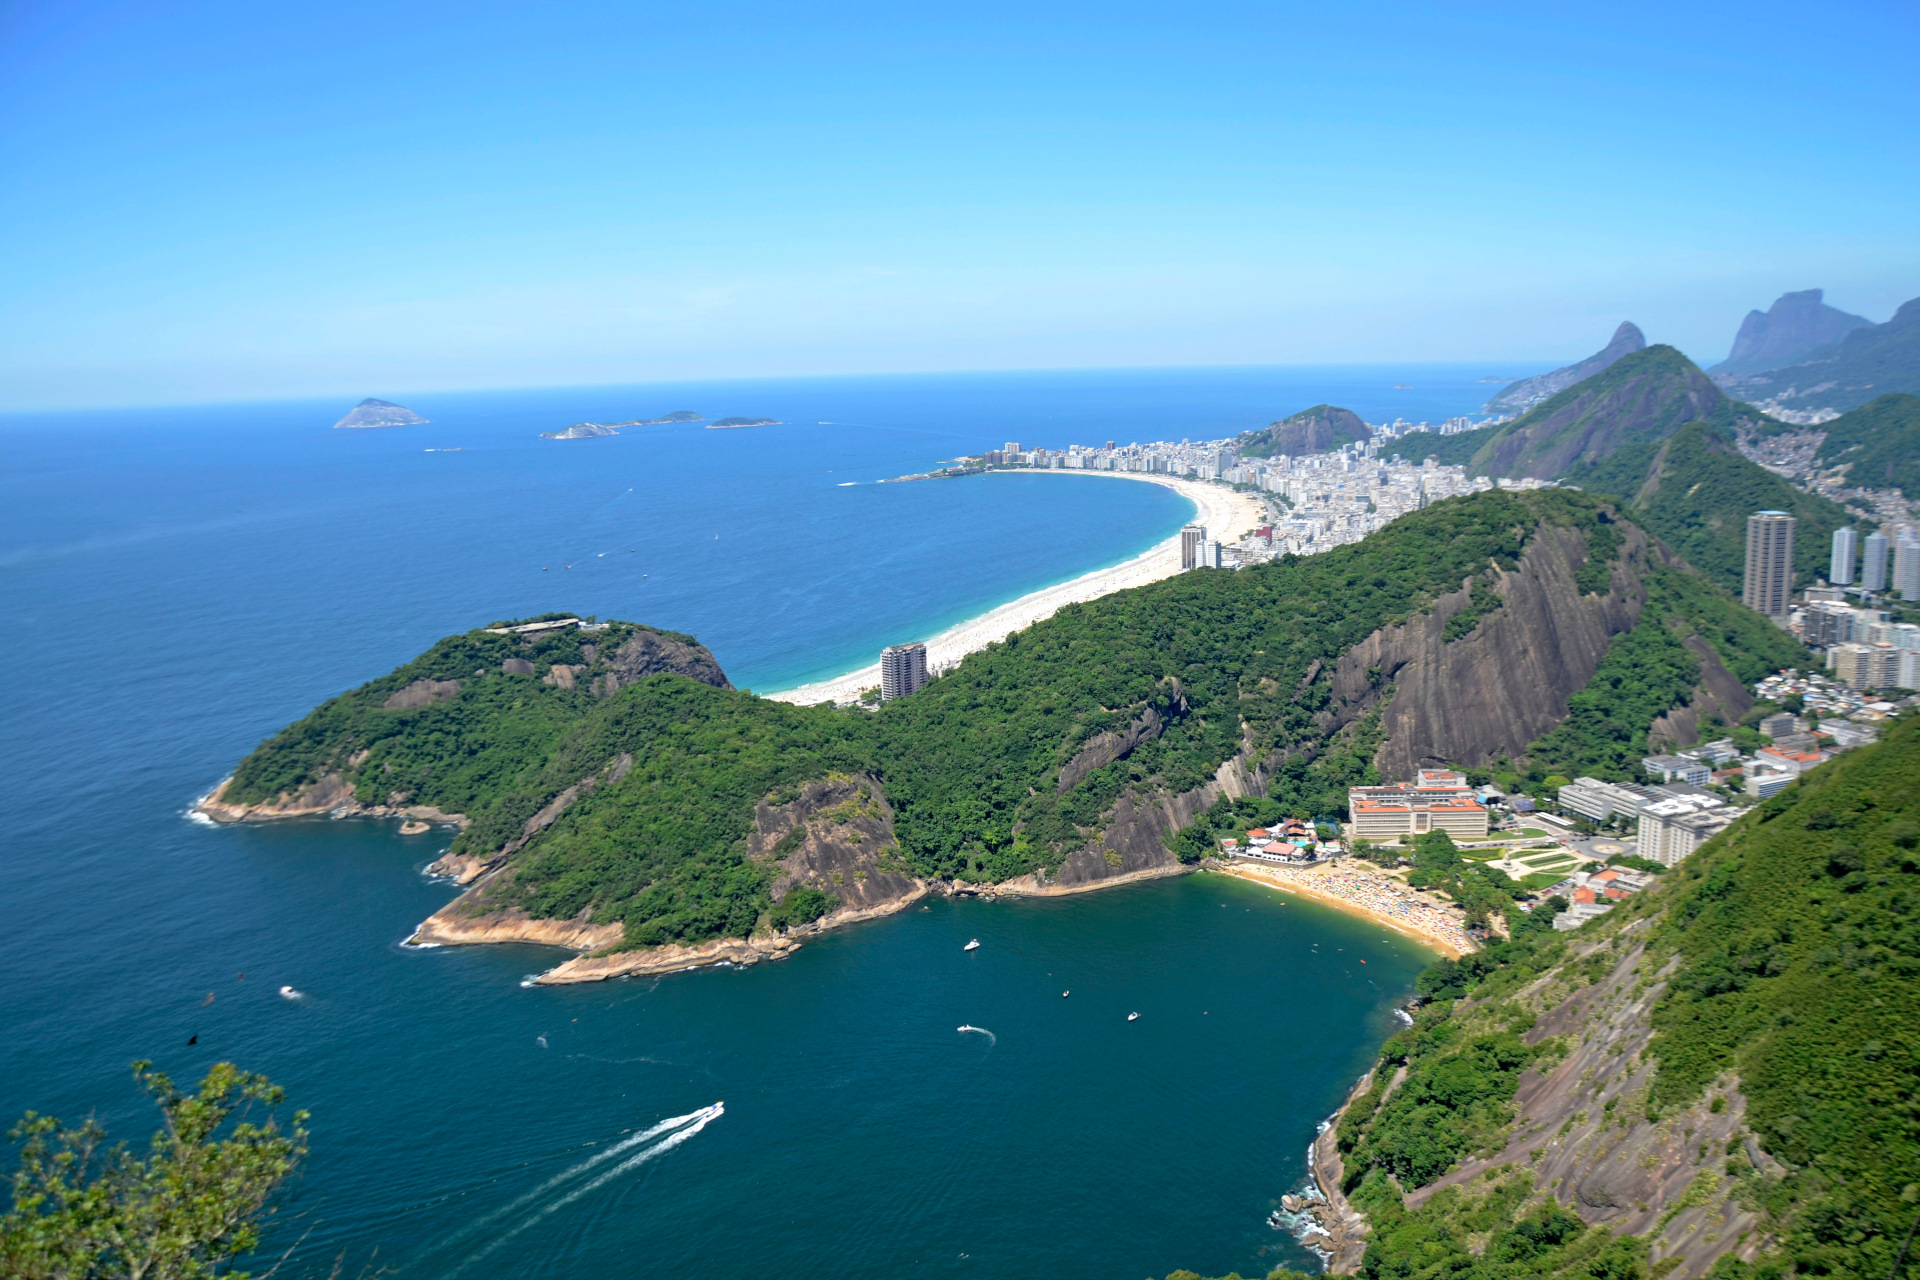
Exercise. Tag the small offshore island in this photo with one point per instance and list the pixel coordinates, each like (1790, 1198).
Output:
(595, 430)
(727, 424)
(378, 413)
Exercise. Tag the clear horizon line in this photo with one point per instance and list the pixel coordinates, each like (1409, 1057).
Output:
(1037, 370)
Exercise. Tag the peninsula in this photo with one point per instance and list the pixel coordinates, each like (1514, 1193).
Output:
(616, 796)
(378, 413)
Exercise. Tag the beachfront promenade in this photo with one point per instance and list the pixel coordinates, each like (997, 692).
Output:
(1361, 887)
(1226, 513)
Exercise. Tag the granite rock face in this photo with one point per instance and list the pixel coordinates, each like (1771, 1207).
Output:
(1496, 689)
(649, 653)
(1794, 327)
(1518, 397)
(1316, 430)
(835, 834)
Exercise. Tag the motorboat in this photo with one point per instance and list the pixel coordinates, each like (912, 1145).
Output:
(1065, 994)
(288, 993)
(1133, 1017)
(972, 946)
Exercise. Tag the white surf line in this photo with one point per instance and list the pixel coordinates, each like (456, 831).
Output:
(707, 1115)
(567, 1175)
(1219, 509)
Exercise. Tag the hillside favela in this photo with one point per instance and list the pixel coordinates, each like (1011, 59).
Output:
(1026, 644)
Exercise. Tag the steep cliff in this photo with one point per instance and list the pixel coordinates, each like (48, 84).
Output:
(1714, 1075)
(1865, 364)
(1795, 326)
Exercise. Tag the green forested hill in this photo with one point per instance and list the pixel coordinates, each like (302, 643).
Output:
(1882, 442)
(1786, 960)
(1864, 365)
(971, 765)
(1695, 491)
(1644, 396)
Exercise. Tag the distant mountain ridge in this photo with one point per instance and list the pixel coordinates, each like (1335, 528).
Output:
(1794, 327)
(1315, 430)
(1655, 431)
(1518, 397)
(1864, 365)
(1648, 393)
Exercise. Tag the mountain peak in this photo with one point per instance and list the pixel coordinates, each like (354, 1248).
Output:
(1795, 326)
(1314, 430)
(1518, 397)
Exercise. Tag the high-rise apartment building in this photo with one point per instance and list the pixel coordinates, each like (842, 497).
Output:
(1769, 580)
(1840, 572)
(1873, 565)
(1906, 567)
(1190, 539)
(903, 669)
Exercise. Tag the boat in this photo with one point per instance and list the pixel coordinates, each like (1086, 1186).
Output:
(1132, 1017)
(288, 993)
(972, 946)
(1065, 994)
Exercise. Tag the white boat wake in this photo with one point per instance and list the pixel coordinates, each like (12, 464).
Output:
(991, 1038)
(677, 1128)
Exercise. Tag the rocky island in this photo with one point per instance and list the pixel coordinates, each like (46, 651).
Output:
(379, 413)
(722, 424)
(582, 431)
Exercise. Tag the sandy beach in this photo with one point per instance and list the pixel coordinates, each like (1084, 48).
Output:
(1226, 514)
(1352, 884)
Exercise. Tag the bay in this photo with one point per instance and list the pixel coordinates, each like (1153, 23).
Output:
(183, 581)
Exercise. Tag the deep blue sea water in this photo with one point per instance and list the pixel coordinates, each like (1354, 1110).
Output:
(181, 582)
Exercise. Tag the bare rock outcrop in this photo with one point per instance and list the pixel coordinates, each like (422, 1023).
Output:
(1507, 682)
(835, 834)
(650, 653)
(1582, 1125)
(1719, 692)
(422, 693)
(1103, 749)
(1343, 1228)
(331, 795)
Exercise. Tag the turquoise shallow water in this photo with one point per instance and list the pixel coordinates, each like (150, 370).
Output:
(183, 582)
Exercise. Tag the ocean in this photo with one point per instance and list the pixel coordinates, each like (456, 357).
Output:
(183, 581)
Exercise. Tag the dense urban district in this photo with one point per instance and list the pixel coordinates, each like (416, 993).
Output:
(1618, 719)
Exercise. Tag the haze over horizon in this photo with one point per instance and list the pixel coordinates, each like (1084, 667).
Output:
(218, 202)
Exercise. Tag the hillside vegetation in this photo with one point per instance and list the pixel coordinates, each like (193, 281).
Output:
(1764, 996)
(1647, 395)
(1881, 441)
(1864, 365)
(1695, 492)
(654, 774)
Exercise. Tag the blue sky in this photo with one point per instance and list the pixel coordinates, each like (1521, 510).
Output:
(221, 201)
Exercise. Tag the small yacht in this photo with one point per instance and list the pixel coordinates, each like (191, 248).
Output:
(972, 946)
(1132, 1017)
(288, 993)
(1065, 994)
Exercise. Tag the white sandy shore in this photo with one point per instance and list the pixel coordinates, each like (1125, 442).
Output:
(1226, 514)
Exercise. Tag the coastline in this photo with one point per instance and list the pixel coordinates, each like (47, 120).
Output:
(1219, 509)
(1324, 884)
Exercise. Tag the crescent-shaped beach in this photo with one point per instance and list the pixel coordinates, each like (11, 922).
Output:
(1226, 513)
